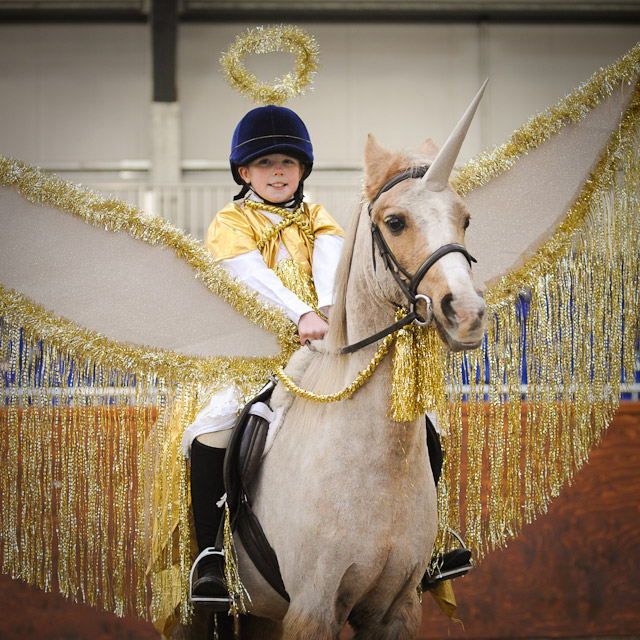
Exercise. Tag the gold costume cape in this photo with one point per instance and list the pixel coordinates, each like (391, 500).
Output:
(237, 229)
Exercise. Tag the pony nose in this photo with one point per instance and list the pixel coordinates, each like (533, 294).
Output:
(465, 317)
(446, 304)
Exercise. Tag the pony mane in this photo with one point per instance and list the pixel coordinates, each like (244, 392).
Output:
(337, 335)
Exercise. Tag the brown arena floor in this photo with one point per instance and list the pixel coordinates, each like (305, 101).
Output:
(574, 573)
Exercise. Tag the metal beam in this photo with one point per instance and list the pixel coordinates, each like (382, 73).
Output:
(579, 11)
(544, 11)
(164, 37)
(74, 10)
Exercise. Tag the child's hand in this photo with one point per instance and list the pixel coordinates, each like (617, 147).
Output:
(311, 327)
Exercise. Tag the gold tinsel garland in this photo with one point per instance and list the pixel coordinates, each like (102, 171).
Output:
(101, 475)
(262, 40)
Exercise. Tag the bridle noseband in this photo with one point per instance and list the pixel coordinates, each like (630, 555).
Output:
(407, 282)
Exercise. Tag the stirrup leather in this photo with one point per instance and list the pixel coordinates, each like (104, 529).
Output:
(218, 601)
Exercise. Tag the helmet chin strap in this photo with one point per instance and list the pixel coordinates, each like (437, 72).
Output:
(242, 193)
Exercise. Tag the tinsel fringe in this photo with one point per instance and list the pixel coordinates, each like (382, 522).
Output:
(568, 322)
(102, 510)
(238, 595)
(418, 380)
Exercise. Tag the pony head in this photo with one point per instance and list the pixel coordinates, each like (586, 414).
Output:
(416, 217)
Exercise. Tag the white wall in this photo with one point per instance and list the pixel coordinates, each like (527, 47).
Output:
(402, 82)
(74, 93)
(80, 93)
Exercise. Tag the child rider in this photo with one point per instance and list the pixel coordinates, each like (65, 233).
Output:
(287, 251)
(284, 249)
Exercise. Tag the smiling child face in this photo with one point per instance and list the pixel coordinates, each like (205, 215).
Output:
(274, 177)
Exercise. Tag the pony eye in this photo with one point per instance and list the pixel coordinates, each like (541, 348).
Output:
(395, 223)
(465, 226)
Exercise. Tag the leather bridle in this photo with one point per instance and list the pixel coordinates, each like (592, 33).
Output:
(407, 282)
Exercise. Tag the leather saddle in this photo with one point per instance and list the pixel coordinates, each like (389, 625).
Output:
(241, 464)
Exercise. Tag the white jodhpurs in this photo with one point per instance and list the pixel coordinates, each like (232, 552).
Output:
(215, 421)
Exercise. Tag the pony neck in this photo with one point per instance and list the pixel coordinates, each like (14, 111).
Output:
(366, 309)
(360, 309)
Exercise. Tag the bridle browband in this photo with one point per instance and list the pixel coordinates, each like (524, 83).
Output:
(407, 282)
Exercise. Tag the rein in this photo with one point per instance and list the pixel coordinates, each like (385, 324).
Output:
(408, 283)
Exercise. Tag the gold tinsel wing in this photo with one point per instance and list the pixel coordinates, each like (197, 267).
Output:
(113, 328)
(556, 231)
(146, 285)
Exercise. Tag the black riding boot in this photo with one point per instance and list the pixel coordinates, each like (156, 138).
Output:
(207, 487)
(435, 450)
(452, 564)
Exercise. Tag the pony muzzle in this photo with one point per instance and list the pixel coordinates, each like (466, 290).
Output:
(462, 325)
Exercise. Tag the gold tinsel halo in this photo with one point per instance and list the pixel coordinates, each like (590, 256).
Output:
(286, 38)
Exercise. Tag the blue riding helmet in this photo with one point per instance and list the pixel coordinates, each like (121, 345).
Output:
(268, 130)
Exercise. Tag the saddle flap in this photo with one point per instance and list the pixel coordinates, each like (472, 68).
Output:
(258, 549)
(245, 449)
(241, 464)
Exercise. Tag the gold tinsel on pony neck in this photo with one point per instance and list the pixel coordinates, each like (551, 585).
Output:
(418, 380)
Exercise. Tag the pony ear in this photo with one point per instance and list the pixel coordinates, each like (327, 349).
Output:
(428, 150)
(376, 166)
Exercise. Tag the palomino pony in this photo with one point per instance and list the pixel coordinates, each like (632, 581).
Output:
(345, 496)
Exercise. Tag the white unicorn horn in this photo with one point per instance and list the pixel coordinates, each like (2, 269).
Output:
(437, 178)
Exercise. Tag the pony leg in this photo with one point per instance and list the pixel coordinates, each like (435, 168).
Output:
(401, 622)
(254, 628)
(299, 626)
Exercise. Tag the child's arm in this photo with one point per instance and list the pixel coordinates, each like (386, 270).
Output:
(252, 270)
(326, 254)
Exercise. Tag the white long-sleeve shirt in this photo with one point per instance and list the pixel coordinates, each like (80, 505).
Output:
(254, 272)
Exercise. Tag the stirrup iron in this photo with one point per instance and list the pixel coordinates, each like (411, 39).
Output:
(218, 602)
(432, 579)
